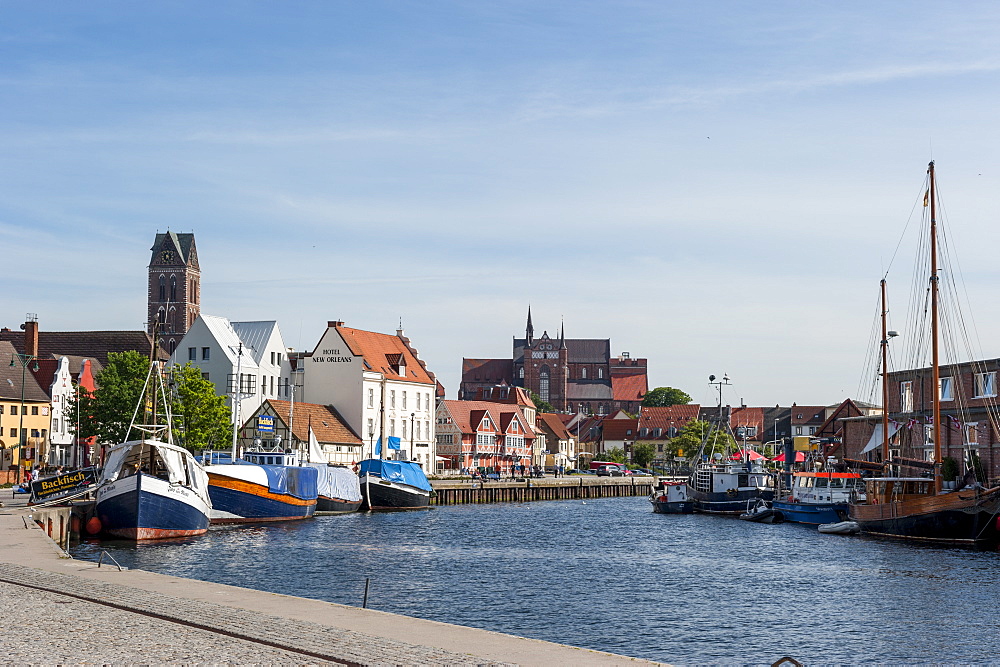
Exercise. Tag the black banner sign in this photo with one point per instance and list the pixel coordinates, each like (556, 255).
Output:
(65, 484)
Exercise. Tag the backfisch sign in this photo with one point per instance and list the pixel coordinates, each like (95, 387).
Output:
(51, 488)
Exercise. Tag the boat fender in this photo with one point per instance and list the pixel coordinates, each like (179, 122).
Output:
(731, 493)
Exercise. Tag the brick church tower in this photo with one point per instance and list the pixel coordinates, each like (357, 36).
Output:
(546, 366)
(174, 299)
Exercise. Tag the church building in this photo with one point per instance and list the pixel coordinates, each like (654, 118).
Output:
(572, 374)
(174, 296)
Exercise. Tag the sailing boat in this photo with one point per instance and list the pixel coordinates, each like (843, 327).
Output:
(151, 489)
(915, 508)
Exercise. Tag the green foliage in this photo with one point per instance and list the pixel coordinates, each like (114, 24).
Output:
(949, 469)
(108, 412)
(642, 454)
(664, 397)
(201, 418)
(976, 465)
(615, 454)
(694, 433)
(542, 406)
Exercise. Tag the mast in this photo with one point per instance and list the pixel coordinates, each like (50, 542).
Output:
(935, 361)
(236, 397)
(885, 381)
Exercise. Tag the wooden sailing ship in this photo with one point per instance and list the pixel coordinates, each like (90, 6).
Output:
(916, 507)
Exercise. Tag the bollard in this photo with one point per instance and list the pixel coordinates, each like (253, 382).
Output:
(364, 603)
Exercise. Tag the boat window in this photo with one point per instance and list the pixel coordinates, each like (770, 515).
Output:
(837, 483)
(743, 480)
(822, 482)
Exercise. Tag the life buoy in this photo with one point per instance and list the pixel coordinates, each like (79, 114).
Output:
(731, 493)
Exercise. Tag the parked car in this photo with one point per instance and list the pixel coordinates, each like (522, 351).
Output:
(643, 472)
(611, 471)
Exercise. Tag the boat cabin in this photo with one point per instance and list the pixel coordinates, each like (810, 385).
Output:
(891, 489)
(726, 476)
(827, 487)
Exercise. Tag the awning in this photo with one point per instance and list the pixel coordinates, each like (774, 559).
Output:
(746, 453)
(800, 457)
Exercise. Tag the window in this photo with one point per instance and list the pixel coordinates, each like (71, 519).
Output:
(206, 353)
(204, 376)
(520, 372)
(906, 396)
(600, 372)
(13, 409)
(371, 398)
(404, 400)
(13, 433)
(392, 427)
(812, 430)
(163, 288)
(272, 358)
(392, 398)
(643, 432)
(928, 434)
(543, 383)
(418, 401)
(418, 430)
(798, 430)
(403, 422)
(371, 427)
(971, 433)
(192, 354)
(986, 384)
(34, 409)
(583, 373)
(173, 289)
(945, 390)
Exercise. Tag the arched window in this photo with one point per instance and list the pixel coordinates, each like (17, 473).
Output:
(521, 372)
(163, 288)
(173, 289)
(173, 346)
(583, 373)
(161, 316)
(600, 372)
(543, 383)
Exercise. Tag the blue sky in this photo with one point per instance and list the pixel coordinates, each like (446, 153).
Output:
(714, 186)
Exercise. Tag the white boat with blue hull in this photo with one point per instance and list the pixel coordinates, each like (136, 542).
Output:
(262, 486)
(821, 497)
(152, 490)
(725, 487)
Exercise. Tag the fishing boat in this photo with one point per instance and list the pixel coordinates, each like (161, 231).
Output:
(820, 497)
(152, 489)
(262, 485)
(393, 485)
(670, 496)
(916, 507)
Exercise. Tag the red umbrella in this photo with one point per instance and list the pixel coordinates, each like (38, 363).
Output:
(744, 453)
(800, 457)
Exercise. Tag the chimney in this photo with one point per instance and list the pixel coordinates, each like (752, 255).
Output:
(334, 323)
(31, 335)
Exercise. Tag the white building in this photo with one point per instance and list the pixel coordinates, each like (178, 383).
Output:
(379, 386)
(60, 394)
(223, 350)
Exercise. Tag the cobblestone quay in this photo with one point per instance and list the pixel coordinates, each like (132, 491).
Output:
(59, 610)
(458, 492)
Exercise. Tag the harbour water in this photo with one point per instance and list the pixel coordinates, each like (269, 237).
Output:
(610, 575)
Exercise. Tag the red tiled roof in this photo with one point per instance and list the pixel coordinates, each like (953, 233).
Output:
(628, 387)
(810, 414)
(382, 352)
(663, 418)
(746, 417)
(92, 344)
(325, 422)
(500, 414)
(620, 429)
(488, 370)
(552, 424)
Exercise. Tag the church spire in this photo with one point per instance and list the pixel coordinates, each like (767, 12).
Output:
(562, 334)
(529, 332)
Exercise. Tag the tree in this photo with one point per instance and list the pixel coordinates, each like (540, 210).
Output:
(642, 454)
(540, 405)
(615, 454)
(108, 412)
(689, 440)
(662, 397)
(201, 418)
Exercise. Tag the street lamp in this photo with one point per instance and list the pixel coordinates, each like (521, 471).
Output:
(413, 437)
(23, 360)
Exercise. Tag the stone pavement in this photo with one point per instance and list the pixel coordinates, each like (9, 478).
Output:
(60, 610)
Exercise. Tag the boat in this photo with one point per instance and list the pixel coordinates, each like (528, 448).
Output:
(762, 512)
(393, 485)
(338, 489)
(916, 507)
(820, 497)
(670, 496)
(262, 485)
(840, 528)
(152, 489)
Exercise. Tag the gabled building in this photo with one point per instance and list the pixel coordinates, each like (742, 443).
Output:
(250, 357)
(659, 425)
(483, 434)
(380, 387)
(287, 425)
(559, 444)
(25, 417)
(572, 374)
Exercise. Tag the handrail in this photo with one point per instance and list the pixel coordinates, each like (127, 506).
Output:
(112, 558)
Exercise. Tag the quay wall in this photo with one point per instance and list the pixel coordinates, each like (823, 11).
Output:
(460, 492)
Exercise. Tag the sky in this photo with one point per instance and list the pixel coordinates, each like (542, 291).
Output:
(717, 187)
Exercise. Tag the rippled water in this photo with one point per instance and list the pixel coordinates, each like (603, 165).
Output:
(609, 574)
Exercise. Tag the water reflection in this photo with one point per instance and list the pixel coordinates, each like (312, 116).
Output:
(610, 575)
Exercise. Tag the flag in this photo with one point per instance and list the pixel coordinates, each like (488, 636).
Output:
(378, 447)
(927, 194)
(393, 442)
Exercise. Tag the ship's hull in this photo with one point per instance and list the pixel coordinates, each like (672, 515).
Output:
(143, 507)
(811, 513)
(337, 505)
(966, 517)
(380, 494)
(730, 502)
(663, 506)
(237, 498)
